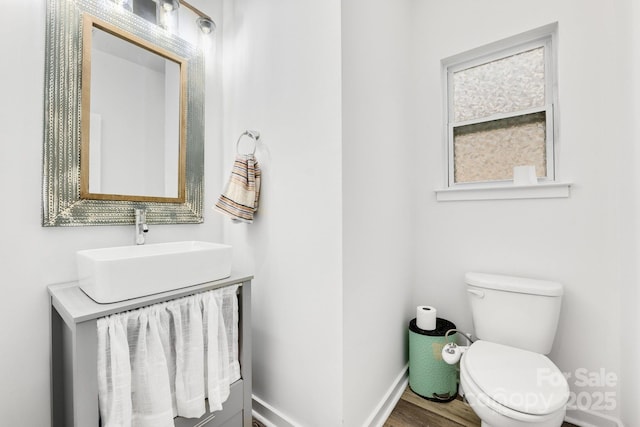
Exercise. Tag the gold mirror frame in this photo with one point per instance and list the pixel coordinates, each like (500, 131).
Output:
(62, 153)
(89, 23)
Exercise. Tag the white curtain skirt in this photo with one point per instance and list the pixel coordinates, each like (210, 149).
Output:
(164, 360)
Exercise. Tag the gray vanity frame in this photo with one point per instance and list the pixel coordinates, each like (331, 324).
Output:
(74, 342)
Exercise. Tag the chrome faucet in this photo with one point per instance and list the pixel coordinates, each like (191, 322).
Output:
(141, 225)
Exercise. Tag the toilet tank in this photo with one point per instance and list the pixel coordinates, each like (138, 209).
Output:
(514, 311)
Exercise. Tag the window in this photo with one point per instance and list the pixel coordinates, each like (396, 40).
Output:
(500, 111)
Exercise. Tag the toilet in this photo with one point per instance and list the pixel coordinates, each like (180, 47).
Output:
(505, 376)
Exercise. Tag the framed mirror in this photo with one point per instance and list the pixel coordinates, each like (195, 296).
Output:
(123, 119)
(134, 150)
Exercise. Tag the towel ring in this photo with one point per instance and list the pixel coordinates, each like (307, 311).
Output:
(253, 134)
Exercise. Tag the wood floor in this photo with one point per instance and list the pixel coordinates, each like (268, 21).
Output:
(414, 411)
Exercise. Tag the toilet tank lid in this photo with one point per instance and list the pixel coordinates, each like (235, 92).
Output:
(514, 284)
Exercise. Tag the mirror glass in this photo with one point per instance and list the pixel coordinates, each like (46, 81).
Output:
(130, 150)
(124, 119)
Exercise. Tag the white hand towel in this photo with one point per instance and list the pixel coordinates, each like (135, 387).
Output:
(240, 199)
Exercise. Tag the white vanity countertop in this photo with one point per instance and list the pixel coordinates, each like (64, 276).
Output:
(75, 306)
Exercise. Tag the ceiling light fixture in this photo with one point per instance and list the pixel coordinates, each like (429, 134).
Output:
(206, 24)
(170, 5)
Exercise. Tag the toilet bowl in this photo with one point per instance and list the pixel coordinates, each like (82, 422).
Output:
(511, 387)
(507, 379)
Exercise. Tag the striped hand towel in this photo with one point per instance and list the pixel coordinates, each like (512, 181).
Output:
(240, 199)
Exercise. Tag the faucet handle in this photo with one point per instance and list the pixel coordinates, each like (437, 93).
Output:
(141, 225)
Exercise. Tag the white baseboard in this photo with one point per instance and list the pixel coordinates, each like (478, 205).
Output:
(270, 416)
(586, 418)
(389, 401)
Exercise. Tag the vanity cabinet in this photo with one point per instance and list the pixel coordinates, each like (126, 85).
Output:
(74, 342)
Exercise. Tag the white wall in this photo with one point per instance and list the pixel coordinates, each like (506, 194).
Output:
(34, 257)
(335, 200)
(579, 241)
(630, 296)
(377, 198)
(282, 78)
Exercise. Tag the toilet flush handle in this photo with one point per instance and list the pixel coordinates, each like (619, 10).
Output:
(476, 292)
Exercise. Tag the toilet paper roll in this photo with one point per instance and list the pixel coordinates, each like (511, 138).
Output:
(426, 317)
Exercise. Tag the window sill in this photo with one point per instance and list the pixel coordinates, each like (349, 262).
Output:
(549, 190)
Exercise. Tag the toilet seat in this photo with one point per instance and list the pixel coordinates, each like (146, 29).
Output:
(516, 383)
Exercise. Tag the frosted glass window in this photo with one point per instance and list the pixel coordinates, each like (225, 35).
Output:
(506, 85)
(488, 151)
(500, 110)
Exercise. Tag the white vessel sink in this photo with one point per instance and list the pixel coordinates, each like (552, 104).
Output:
(115, 274)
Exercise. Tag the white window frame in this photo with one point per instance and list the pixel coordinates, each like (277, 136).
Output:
(548, 186)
